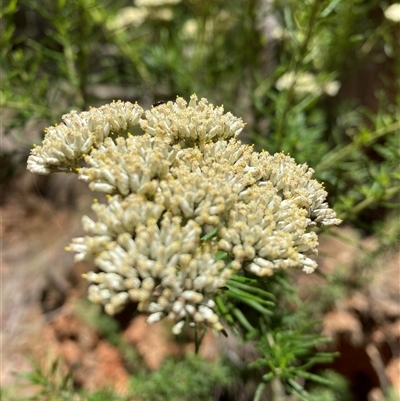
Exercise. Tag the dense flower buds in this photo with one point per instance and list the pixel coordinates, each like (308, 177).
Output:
(65, 145)
(187, 176)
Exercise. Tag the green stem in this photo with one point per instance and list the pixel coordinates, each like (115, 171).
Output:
(126, 47)
(198, 338)
(337, 155)
(83, 53)
(295, 68)
(367, 202)
(259, 392)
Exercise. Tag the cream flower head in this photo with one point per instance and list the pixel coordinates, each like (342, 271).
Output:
(392, 13)
(179, 196)
(191, 124)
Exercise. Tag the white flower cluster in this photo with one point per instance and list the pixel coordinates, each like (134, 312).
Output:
(133, 17)
(180, 196)
(307, 83)
(192, 124)
(156, 3)
(392, 13)
(65, 145)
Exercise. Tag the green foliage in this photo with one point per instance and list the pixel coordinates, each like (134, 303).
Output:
(353, 150)
(54, 384)
(103, 395)
(337, 390)
(251, 293)
(392, 395)
(191, 378)
(365, 172)
(285, 338)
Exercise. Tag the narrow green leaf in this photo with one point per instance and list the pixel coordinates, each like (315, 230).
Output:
(233, 282)
(314, 378)
(243, 321)
(210, 234)
(245, 294)
(250, 303)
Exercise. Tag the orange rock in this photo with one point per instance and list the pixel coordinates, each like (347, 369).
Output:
(153, 342)
(393, 373)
